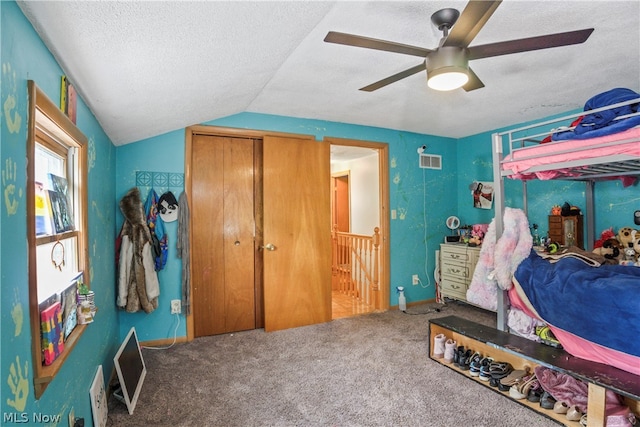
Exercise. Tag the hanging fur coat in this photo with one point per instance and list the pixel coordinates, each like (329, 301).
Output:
(138, 286)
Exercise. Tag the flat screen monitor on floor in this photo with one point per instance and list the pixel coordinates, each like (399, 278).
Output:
(131, 369)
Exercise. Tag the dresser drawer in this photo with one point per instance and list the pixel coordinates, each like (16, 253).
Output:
(456, 254)
(461, 270)
(454, 287)
(555, 219)
(555, 227)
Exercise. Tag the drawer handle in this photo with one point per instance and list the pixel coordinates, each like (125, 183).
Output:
(454, 256)
(454, 286)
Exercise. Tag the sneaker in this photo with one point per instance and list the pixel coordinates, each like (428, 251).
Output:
(449, 350)
(438, 346)
(465, 358)
(485, 374)
(456, 355)
(474, 364)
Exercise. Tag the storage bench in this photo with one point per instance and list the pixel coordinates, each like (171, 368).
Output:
(521, 353)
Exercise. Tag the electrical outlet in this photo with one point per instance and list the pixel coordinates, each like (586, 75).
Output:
(175, 306)
(415, 279)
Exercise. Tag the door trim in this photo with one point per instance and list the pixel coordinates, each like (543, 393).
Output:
(383, 170)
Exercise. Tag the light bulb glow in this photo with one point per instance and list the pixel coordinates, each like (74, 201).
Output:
(448, 80)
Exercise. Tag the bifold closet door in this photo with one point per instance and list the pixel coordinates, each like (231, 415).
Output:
(297, 232)
(223, 227)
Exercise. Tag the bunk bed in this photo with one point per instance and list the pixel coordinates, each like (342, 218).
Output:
(594, 316)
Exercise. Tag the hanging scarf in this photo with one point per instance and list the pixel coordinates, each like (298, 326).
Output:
(156, 227)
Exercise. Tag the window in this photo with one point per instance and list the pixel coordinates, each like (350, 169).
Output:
(56, 226)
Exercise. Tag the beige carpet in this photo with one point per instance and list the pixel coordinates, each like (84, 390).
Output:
(370, 370)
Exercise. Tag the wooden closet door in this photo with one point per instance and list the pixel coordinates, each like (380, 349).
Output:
(222, 251)
(297, 222)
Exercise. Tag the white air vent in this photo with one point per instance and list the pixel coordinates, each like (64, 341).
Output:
(430, 161)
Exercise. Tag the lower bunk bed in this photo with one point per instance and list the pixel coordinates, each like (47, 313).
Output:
(592, 309)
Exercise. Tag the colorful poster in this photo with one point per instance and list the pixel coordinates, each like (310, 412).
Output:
(482, 193)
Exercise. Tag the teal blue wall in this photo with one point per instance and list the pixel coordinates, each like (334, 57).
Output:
(416, 232)
(24, 57)
(410, 189)
(164, 153)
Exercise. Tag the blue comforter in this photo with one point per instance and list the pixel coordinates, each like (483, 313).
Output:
(604, 122)
(600, 304)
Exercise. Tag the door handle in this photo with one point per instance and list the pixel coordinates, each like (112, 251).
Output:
(269, 247)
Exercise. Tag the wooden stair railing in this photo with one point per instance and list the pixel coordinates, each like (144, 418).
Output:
(356, 265)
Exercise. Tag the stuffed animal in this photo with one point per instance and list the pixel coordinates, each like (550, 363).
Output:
(552, 247)
(604, 236)
(625, 236)
(610, 249)
(477, 234)
(628, 238)
(569, 210)
(636, 247)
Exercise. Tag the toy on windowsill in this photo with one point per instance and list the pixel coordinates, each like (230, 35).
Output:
(86, 305)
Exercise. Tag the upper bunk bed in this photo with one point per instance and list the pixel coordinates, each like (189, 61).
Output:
(600, 143)
(542, 151)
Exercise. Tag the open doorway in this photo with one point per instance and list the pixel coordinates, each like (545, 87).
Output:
(359, 227)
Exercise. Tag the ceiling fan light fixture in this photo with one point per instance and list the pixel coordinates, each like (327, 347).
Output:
(448, 78)
(447, 68)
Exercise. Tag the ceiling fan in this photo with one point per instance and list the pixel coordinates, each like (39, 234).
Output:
(447, 65)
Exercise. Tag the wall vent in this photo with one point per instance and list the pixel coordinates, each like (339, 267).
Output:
(430, 161)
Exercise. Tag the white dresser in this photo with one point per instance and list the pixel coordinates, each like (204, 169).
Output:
(457, 262)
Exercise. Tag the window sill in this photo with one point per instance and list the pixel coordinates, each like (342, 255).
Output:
(46, 374)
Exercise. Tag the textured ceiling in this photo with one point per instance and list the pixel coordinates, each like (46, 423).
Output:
(146, 68)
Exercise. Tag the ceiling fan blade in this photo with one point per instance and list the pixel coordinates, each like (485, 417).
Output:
(392, 79)
(470, 22)
(474, 82)
(369, 43)
(529, 44)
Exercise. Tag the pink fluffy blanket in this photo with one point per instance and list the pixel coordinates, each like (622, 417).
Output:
(500, 258)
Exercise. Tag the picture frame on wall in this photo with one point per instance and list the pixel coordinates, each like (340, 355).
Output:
(99, 402)
(68, 99)
(482, 194)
